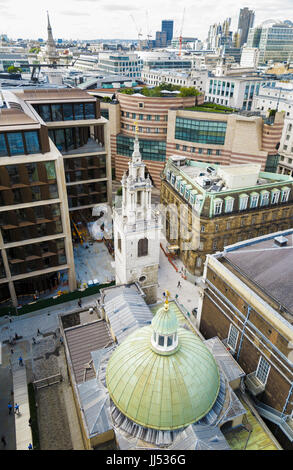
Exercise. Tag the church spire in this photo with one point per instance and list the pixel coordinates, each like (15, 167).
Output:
(51, 47)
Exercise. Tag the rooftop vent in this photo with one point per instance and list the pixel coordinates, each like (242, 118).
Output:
(281, 241)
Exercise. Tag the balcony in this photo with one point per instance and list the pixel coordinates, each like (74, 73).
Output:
(90, 147)
(253, 384)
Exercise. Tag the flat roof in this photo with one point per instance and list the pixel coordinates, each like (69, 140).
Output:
(267, 265)
(81, 341)
(15, 117)
(59, 94)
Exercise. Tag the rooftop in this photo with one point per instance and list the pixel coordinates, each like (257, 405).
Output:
(268, 264)
(81, 341)
(220, 178)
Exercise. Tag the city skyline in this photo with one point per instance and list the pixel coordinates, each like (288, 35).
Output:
(84, 17)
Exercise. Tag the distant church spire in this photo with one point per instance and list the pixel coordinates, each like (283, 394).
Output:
(51, 47)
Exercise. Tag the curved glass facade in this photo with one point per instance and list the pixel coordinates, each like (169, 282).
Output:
(204, 132)
(149, 149)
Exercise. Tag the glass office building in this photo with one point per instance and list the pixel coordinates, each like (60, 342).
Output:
(167, 26)
(275, 43)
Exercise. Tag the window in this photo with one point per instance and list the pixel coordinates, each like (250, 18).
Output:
(169, 341)
(254, 200)
(262, 371)
(68, 112)
(15, 143)
(285, 195)
(78, 111)
(229, 205)
(142, 247)
(202, 228)
(161, 340)
(198, 262)
(150, 149)
(218, 207)
(275, 197)
(265, 198)
(57, 112)
(3, 148)
(202, 131)
(215, 244)
(243, 200)
(32, 142)
(89, 111)
(232, 337)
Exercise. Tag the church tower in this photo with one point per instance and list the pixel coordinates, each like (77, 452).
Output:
(137, 230)
(51, 52)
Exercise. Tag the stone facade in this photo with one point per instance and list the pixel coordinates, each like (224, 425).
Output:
(137, 231)
(219, 230)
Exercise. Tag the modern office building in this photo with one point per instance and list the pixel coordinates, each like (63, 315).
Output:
(161, 39)
(79, 132)
(245, 22)
(168, 125)
(167, 26)
(35, 233)
(150, 114)
(222, 205)
(246, 300)
(279, 98)
(164, 60)
(129, 65)
(234, 91)
(274, 41)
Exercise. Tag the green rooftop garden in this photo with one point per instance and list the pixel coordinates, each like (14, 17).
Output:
(211, 108)
(157, 91)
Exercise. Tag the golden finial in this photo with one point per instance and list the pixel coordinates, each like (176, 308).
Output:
(136, 127)
(167, 293)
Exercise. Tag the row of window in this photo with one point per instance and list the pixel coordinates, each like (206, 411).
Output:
(66, 111)
(146, 130)
(144, 117)
(263, 366)
(19, 143)
(201, 131)
(184, 148)
(252, 201)
(149, 149)
(27, 173)
(69, 138)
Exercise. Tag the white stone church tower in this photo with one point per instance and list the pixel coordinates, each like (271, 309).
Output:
(137, 230)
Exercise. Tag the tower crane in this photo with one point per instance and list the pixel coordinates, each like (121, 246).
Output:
(180, 37)
(148, 28)
(139, 33)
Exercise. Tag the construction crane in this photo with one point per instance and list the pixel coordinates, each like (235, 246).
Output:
(180, 37)
(139, 33)
(148, 28)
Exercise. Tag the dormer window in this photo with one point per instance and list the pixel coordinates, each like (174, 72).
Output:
(285, 194)
(265, 198)
(275, 196)
(218, 206)
(229, 203)
(253, 200)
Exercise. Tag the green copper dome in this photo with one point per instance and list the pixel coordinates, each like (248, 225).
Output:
(158, 391)
(165, 322)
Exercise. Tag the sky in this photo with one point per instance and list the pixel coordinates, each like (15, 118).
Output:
(111, 19)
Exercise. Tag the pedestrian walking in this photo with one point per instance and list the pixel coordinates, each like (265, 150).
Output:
(79, 303)
(34, 340)
(20, 361)
(3, 440)
(61, 340)
(30, 422)
(176, 296)
(11, 350)
(179, 284)
(38, 332)
(16, 407)
(9, 408)
(30, 447)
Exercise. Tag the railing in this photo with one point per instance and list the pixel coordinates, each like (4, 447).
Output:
(46, 382)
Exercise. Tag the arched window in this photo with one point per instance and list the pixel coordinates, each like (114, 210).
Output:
(142, 248)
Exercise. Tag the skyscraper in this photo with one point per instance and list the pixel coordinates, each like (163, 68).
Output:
(245, 21)
(167, 26)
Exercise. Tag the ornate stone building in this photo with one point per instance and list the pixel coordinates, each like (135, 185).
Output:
(222, 205)
(137, 230)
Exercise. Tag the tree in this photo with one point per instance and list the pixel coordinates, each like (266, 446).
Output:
(13, 69)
